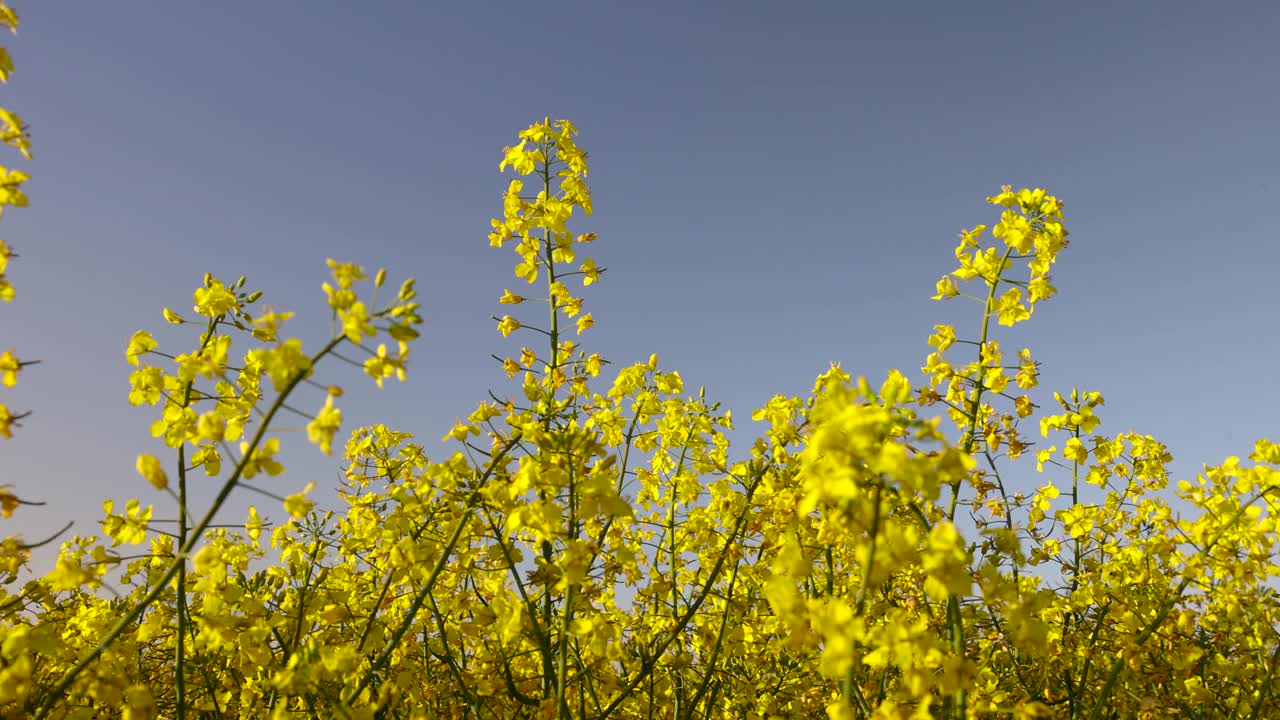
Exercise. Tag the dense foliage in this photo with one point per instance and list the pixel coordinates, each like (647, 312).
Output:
(594, 549)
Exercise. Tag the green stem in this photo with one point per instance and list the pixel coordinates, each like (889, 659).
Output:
(562, 669)
(549, 674)
(179, 660)
(179, 674)
(955, 618)
(715, 648)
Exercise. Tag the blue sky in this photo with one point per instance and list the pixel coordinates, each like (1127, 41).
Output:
(777, 186)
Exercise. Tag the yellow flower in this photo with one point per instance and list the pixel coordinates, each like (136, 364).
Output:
(590, 273)
(355, 322)
(1075, 450)
(176, 425)
(1040, 289)
(1015, 230)
(522, 160)
(254, 524)
(971, 238)
(8, 501)
(147, 384)
(1044, 498)
(1023, 406)
(484, 412)
(528, 270)
(896, 388)
(267, 324)
(510, 298)
(511, 367)
(839, 710)
(946, 288)
(263, 458)
(946, 562)
(149, 468)
(1044, 456)
(9, 367)
(382, 365)
(345, 274)
(15, 132)
(459, 432)
(211, 427)
(297, 504)
(140, 344)
(1011, 309)
(339, 298)
(214, 299)
(1076, 520)
(208, 457)
(283, 362)
(1005, 198)
(585, 322)
(944, 336)
(138, 703)
(11, 181)
(508, 324)
(326, 423)
(572, 306)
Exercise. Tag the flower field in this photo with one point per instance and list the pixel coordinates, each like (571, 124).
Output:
(594, 547)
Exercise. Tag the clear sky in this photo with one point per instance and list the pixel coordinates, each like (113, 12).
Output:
(777, 186)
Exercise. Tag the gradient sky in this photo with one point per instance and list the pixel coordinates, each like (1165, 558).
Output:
(777, 186)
